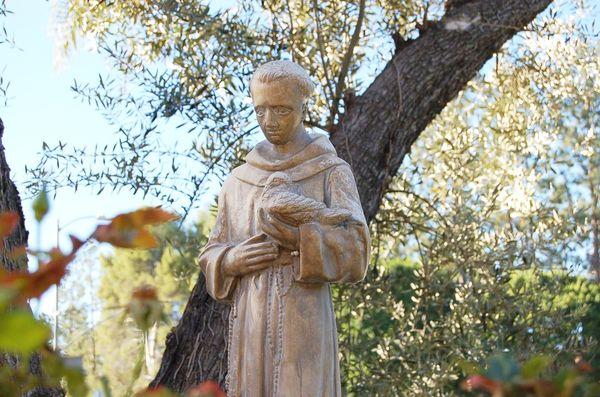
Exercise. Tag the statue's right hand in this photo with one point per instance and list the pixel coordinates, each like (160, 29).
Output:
(249, 256)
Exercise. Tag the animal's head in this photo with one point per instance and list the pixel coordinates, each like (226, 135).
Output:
(278, 179)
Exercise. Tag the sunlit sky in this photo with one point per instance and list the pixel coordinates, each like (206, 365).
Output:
(42, 107)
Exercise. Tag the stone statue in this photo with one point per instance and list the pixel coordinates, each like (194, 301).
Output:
(289, 223)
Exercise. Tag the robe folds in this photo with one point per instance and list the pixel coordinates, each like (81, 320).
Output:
(282, 338)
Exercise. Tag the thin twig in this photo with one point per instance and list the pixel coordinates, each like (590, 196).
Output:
(320, 46)
(346, 60)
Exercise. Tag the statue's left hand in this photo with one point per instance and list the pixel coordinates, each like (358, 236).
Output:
(285, 235)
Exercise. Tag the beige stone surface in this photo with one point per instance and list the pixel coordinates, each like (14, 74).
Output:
(289, 223)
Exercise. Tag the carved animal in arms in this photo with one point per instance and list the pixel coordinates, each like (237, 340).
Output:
(283, 199)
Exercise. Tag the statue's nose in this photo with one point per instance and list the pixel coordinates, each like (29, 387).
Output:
(271, 120)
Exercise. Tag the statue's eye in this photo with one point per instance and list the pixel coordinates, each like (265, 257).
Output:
(259, 111)
(280, 110)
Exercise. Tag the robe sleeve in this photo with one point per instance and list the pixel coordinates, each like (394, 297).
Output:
(218, 285)
(336, 253)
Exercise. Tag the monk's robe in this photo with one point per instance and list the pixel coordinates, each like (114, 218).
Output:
(282, 338)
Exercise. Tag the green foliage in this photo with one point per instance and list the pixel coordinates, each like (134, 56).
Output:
(402, 335)
(502, 376)
(41, 205)
(21, 333)
(490, 219)
(113, 339)
(58, 368)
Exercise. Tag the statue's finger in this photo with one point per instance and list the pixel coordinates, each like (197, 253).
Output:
(261, 259)
(269, 228)
(256, 238)
(262, 251)
(265, 244)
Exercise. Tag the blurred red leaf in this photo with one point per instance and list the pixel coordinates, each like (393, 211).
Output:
(479, 382)
(143, 217)
(8, 221)
(144, 307)
(32, 285)
(582, 365)
(18, 252)
(538, 387)
(125, 238)
(159, 391)
(206, 389)
(145, 292)
(128, 230)
(76, 243)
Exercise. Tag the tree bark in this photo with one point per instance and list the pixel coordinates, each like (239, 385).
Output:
(10, 201)
(195, 349)
(375, 133)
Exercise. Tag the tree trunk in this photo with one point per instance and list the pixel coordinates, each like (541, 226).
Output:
(11, 201)
(195, 349)
(375, 133)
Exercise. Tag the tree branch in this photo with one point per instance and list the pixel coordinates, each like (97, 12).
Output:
(321, 48)
(345, 65)
(416, 84)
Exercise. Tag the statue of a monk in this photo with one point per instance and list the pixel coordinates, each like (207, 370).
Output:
(289, 223)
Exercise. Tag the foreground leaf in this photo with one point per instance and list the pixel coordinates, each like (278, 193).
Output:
(8, 221)
(41, 205)
(206, 389)
(32, 285)
(129, 230)
(535, 366)
(58, 368)
(21, 333)
(160, 391)
(144, 307)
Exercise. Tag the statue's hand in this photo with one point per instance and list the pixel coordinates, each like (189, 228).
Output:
(249, 256)
(285, 235)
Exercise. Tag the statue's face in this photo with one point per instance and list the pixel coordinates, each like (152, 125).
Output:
(279, 109)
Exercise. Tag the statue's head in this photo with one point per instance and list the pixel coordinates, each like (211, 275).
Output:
(280, 90)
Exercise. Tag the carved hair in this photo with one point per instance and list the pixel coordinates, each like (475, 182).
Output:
(284, 70)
